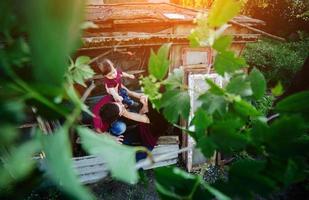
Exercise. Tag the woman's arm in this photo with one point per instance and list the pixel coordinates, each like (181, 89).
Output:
(131, 76)
(136, 117)
(133, 94)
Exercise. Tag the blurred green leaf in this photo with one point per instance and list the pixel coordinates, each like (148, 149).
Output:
(11, 111)
(277, 90)
(259, 132)
(175, 79)
(226, 61)
(223, 43)
(216, 193)
(59, 164)
(290, 173)
(173, 110)
(239, 85)
(181, 185)
(213, 103)
(151, 87)
(194, 39)
(201, 120)
(113, 153)
(82, 60)
(295, 103)
(246, 109)
(247, 178)
(207, 146)
(18, 52)
(214, 88)
(285, 137)
(158, 63)
(80, 71)
(222, 11)
(227, 136)
(17, 163)
(54, 28)
(258, 83)
(8, 133)
(7, 19)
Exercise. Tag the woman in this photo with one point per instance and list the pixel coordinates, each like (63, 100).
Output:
(149, 123)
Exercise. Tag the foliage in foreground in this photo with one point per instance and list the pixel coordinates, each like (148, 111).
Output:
(227, 121)
(37, 39)
(34, 61)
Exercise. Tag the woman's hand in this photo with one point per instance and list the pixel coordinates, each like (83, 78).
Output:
(118, 139)
(144, 100)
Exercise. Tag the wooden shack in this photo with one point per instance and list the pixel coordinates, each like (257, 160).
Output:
(126, 33)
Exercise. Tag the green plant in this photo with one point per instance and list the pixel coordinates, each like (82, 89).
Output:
(227, 121)
(37, 39)
(278, 61)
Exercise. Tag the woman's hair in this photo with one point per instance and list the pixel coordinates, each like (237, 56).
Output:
(109, 112)
(105, 66)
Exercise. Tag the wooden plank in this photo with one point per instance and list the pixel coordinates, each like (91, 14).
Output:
(91, 169)
(164, 140)
(164, 149)
(88, 162)
(162, 163)
(93, 178)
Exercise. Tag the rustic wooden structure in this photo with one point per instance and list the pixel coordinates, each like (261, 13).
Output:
(126, 33)
(91, 169)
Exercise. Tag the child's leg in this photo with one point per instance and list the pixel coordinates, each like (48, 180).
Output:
(126, 99)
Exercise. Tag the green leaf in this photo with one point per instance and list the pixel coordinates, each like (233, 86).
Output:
(294, 103)
(213, 103)
(172, 110)
(249, 175)
(80, 71)
(194, 39)
(290, 173)
(229, 129)
(158, 63)
(277, 90)
(53, 28)
(151, 87)
(82, 60)
(178, 184)
(259, 132)
(285, 138)
(59, 164)
(240, 86)
(216, 193)
(226, 61)
(17, 163)
(258, 83)
(207, 146)
(201, 120)
(175, 79)
(181, 185)
(223, 43)
(246, 109)
(120, 159)
(214, 88)
(222, 11)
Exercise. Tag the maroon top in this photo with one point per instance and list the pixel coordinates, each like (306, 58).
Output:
(111, 83)
(145, 130)
(97, 121)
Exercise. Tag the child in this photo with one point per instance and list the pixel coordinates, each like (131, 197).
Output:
(113, 83)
